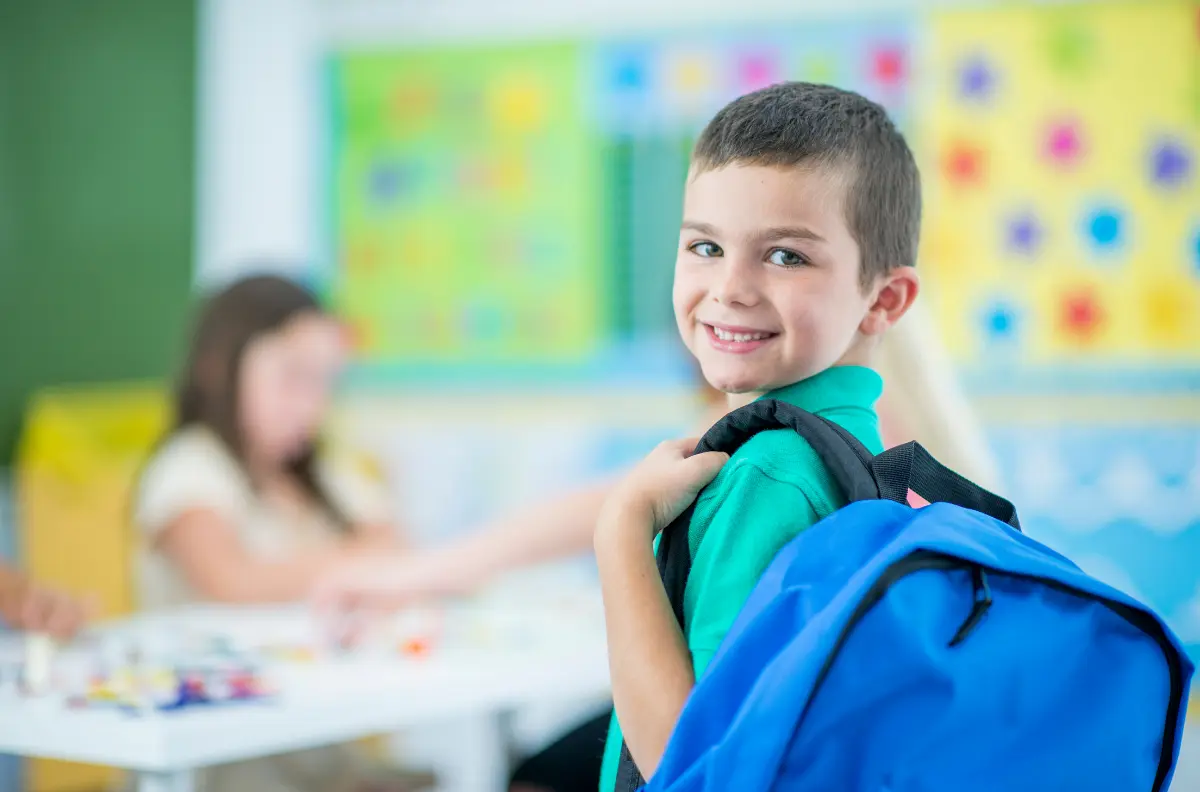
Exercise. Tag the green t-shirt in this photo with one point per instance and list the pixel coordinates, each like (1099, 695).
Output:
(774, 487)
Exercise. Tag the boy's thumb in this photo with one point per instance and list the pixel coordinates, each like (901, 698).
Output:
(706, 466)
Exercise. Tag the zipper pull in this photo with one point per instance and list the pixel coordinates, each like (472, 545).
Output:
(983, 602)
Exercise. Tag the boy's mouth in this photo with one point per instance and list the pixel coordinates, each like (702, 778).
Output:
(738, 340)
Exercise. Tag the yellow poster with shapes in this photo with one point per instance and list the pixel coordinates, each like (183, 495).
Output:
(1063, 199)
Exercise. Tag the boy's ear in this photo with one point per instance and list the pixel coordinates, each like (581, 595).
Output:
(894, 294)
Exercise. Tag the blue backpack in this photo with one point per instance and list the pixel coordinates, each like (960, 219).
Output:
(893, 649)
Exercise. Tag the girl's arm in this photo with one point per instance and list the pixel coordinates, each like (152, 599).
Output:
(560, 527)
(553, 529)
(206, 550)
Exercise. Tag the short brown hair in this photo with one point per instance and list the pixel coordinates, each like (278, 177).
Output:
(797, 123)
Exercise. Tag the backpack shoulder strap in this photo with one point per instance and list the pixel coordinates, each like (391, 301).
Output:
(846, 458)
(910, 467)
(848, 461)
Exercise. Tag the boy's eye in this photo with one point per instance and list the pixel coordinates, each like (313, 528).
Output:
(786, 258)
(705, 249)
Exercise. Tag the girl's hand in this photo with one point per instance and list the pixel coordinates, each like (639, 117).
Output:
(387, 580)
(32, 608)
(357, 593)
(660, 488)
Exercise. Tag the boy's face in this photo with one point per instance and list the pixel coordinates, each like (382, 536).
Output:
(767, 289)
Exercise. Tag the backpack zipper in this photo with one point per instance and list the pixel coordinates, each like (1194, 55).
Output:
(922, 560)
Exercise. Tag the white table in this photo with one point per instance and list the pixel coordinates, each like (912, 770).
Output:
(331, 702)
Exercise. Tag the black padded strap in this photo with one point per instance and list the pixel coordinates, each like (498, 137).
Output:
(911, 467)
(838, 449)
(847, 460)
(629, 778)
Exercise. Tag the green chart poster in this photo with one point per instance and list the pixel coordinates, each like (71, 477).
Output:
(463, 218)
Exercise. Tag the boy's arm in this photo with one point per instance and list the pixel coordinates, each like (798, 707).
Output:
(648, 657)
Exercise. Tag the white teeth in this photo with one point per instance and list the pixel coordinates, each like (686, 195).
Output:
(725, 335)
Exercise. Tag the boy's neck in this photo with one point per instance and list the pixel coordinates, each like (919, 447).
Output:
(736, 400)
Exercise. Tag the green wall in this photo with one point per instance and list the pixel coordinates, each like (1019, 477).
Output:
(97, 174)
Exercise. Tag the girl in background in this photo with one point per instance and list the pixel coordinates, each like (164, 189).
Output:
(241, 504)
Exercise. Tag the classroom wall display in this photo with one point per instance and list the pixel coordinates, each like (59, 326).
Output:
(1120, 499)
(464, 188)
(1060, 148)
(513, 211)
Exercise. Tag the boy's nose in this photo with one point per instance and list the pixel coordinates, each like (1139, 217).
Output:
(736, 284)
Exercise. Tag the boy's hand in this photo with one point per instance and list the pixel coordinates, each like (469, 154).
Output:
(661, 487)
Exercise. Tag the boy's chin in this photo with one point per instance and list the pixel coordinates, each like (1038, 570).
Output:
(734, 383)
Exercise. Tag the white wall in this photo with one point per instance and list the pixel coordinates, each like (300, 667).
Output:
(259, 120)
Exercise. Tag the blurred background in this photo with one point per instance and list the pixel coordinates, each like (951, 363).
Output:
(488, 195)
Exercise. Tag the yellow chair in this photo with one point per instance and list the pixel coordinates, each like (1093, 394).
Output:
(76, 463)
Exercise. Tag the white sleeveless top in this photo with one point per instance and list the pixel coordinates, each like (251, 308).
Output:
(195, 470)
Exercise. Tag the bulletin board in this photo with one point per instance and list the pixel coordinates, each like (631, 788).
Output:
(1063, 217)
(464, 184)
(511, 211)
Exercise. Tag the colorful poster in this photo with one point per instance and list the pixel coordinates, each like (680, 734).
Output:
(465, 183)
(514, 211)
(1060, 154)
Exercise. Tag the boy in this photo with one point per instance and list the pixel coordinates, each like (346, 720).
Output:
(800, 223)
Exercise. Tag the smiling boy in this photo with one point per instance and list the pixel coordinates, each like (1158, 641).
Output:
(796, 254)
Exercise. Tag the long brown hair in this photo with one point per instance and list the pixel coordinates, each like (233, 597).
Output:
(207, 393)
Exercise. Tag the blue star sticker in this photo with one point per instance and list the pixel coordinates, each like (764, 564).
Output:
(976, 80)
(1000, 321)
(1106, 227)
(1170, 164)
(1024, 234)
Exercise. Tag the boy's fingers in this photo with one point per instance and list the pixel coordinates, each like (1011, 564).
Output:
(681, 448)
(704, 467)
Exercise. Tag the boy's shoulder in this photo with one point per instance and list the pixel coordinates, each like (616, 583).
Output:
(785, 457)
(780, 454)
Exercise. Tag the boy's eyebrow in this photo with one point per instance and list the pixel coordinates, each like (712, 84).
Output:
(796, 232)
(701, 228)
(770, 234)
